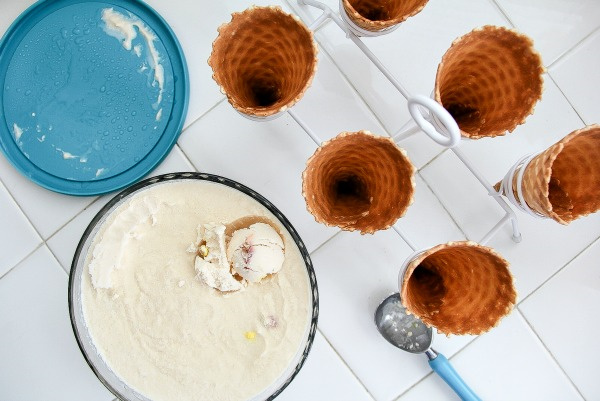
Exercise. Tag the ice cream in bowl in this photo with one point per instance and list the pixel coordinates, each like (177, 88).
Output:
(192, 286)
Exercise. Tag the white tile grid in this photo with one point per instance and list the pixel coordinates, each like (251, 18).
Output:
(329, 325)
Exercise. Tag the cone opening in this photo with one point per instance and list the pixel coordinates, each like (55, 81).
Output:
(375, 10)
(350, 190)
(489, 81)
(263, 92)
(574, 187)
(358, 181)
(264, 60)
(459, 288)
(426, 289)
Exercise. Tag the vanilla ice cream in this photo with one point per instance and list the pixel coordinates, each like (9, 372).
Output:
(211, 262)
(155, 309)
(256, 251)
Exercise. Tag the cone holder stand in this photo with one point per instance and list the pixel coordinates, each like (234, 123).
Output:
(517, 172)
(427, 115)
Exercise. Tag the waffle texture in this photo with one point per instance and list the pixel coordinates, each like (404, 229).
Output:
(489, 80)
(264, 60)
(458, 288)
(563, 182)
(358, 181)
(376, 15)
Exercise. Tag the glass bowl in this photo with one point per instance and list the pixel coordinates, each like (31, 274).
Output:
(84, 340)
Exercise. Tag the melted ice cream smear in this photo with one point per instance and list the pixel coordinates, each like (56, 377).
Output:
(122, 27)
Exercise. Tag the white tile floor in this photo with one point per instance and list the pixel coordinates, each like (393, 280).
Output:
(543, 351)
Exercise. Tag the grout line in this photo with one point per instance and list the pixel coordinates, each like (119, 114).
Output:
(346, 364)
(503, 12)
(454, 220)
(570, 51)
(325, 243)
(186, 157)
(63, 268)
(566, 97)
(597, 240)
(72, 218)
(211, 108)
(41, 238)
(22, 260)
(444, 207)
(432, 160)
(413, 386)
(550, 352)
(22, 212)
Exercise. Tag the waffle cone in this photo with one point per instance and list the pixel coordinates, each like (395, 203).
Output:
(458, 288)
(563, 182)
(264, 60)
(376, 15)
(489, 80)
(358, 181)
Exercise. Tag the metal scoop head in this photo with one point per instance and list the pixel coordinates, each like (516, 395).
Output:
(404, 331)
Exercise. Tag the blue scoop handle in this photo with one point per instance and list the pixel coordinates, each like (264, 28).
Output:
(444, 369)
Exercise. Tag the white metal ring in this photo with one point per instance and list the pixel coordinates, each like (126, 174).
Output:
(450, 135)
(506, 186)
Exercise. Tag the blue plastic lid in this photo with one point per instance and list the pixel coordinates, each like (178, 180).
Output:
(93, 94)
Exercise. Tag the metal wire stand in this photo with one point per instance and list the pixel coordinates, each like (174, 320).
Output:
(427, 115)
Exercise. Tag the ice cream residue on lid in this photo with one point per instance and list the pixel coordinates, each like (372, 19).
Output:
(123, 28)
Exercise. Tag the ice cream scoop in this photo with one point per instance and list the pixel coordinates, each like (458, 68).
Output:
(410, 334)
(256, 251)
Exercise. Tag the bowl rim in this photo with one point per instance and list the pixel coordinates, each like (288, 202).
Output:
(194, 176)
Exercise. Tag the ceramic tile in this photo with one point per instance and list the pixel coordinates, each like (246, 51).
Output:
(411, 53)
(17, 236)
(508, 363)
(560, 310)
(355, 273)
(10, 11)
(331, 105)
(546, 246)
(175, 162)
(64, 242)
(555, 26)
(577, 76)
(39, 354)
(324, 377)
(420, 148)
(195, 25)
(269, 157)
(426, 223)
(47, 210)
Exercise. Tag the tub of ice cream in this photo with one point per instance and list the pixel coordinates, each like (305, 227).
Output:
(192, 286)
